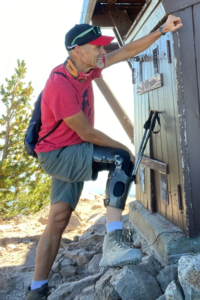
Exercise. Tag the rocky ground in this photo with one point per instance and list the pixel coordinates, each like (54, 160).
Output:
(76, 273)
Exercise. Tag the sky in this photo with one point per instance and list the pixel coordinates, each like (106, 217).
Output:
(33, 31)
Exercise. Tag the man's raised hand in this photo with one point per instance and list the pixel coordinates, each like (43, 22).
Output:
(172, 24)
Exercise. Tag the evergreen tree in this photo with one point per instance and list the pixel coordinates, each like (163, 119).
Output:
(24, 187)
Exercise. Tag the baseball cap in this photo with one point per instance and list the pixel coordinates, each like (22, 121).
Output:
(85, 34)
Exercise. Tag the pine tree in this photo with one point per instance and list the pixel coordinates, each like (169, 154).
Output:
(24, 187)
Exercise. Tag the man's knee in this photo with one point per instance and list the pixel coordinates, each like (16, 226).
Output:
(59, 217)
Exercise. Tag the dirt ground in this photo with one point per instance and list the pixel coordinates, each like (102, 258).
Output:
(18, 234)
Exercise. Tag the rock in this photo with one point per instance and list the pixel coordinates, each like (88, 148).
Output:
(69, 291)
(22, 280)
(84, 257)
(93, 218)
(91, 241)
(2, 251)
(6, 228)
(132, 282)
(11, 246)
(93, 266)
(66, 262)
(6, 284)
(162, 298)
(174, 292)
(76, 238)
(87, 294)
(73, 254)
(99, 228)
(55, 280)
(74, 223)
(151, 266)
(42, 220)
(104, 290)
(68, 271)
(56, 266)
(167, 275)
(189, 276)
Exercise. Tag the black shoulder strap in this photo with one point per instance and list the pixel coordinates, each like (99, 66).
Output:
(59, 122)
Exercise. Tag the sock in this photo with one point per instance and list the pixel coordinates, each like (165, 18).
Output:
(113, 226)
(37, 284)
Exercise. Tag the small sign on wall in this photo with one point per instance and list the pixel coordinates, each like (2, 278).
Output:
(150, 84)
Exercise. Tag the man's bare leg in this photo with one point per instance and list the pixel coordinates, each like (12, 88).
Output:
(48, 246)
(113, 214)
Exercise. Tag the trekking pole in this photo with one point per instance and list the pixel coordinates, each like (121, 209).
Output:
(149, 127)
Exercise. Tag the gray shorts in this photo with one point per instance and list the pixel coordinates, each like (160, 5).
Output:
(69, 168)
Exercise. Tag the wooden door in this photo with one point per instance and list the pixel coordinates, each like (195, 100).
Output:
(165, 146)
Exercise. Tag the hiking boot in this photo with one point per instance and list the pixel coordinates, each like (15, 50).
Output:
(38, 294)
(116, 253)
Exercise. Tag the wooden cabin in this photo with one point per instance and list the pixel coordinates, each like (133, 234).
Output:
(166, 78)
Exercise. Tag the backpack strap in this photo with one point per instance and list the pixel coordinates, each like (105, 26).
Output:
(59, 122)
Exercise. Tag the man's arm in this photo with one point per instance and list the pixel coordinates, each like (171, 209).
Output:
(130, 50)
(80, 124)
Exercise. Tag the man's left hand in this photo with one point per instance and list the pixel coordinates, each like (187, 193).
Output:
(172, 24)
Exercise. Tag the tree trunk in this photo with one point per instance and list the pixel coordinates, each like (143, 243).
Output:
(5, 149)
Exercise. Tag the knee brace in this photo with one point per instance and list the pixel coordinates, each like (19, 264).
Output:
(117, 176)
(118, 183)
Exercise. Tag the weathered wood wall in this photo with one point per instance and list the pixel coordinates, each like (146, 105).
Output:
(187, 57)
(172, 6)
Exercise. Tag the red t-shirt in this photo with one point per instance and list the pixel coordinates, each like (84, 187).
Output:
(62, 98)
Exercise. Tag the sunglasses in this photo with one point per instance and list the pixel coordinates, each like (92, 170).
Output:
(95, 29)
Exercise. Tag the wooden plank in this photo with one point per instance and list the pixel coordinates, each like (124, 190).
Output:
(142, 179)
(121, 21)
(103, 21)
(111, 47)
(173, 6)
(150, 84)
(151, 16)
(137, 138)
(87, 11)
(155, 165)
(188, 114)
(194, 112)
(176, 160)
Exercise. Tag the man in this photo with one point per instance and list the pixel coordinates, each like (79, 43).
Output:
(75, 152)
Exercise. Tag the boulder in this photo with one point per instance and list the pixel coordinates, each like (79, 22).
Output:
(132, 282)
(73, 254)
(174, 292)
(69, 291)
(56, 266)
(68, 271)
(104, 290)
(66, 262)
(167, 275)
(189, 276)
(162, 298)
(87, 294)
(91, 241)
(6, 284)
(84, 257)
(93, 265)
(74, 223)
(42, 220)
